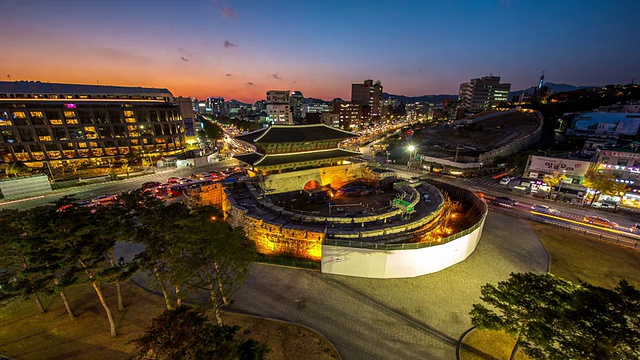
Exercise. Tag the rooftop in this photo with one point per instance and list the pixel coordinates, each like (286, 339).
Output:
(295, 133)
(37, 87)
(281, 159)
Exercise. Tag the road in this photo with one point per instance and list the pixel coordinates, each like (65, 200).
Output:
(113, 187)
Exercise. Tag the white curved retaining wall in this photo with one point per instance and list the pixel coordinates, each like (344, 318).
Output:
(385, 264)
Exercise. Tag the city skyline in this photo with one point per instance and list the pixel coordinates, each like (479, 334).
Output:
(241, 49)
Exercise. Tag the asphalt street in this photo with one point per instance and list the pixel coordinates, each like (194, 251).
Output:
(112, 187)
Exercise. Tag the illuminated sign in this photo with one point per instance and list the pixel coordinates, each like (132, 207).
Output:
(550, 165)
(70, 106)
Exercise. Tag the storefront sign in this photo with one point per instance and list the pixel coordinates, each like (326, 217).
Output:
(550, 165)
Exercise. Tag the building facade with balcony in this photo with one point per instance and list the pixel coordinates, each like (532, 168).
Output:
(55, 122)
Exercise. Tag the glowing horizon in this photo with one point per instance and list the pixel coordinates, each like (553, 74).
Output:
(201, 48)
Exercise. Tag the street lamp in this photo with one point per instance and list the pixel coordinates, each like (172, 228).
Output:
(411, 149)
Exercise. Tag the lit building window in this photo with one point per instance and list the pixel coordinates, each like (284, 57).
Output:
(19, 115)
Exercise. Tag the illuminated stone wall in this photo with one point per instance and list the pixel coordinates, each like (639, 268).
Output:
(335, 176)
(275, 239)
(208, 195)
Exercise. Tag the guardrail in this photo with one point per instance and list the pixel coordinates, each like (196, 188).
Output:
(615, 239)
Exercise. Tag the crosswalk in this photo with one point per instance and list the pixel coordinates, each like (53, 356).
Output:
(486, 182)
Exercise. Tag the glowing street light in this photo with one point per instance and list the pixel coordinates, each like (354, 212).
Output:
(411, 149)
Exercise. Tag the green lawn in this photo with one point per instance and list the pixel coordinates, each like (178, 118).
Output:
(25, 334)
(574, 257)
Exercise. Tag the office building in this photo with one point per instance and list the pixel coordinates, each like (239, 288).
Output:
(315, 108)
(349, 115)
(188, 116)
(54, 122)
(483, 93)
(368, 94)
(296, 102)
(217, 105)
(278, 107)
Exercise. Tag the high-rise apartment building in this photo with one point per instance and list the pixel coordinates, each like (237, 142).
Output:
(297, 100)
(278, 107)
(54, 122)
(368, 94)
(483, 93)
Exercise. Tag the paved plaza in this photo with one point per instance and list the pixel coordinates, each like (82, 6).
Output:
(416, 318)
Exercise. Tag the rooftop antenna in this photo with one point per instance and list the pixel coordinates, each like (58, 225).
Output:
(9, 77)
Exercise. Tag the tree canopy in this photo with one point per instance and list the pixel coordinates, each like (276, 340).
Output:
(552, 318)
(603, 184)
(185, 334)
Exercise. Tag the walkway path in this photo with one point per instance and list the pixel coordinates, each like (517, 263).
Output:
(417, 318)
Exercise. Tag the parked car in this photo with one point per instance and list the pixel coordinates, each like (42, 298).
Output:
(599, 205)
(150, 184)
(504, 201)
(105, 199)
(544, 209)
(600, 221)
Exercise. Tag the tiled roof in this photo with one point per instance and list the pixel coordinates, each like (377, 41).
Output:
(250, 158)
(296, 133)
(250, 137)
(280, 159)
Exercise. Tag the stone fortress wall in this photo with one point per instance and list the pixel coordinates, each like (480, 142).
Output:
(358, 246)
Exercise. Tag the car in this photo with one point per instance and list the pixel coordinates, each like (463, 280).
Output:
(635, 228)
(150, 184)
(173, 180)
(544, 209)
(599, 205)
(505, 180)
(600, 221)
(504, 201)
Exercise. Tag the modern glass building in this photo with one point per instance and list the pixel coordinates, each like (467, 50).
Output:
(55, 122)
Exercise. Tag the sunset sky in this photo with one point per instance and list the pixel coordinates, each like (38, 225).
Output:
(239, 49)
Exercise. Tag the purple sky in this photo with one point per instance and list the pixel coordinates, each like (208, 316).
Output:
(239, 49)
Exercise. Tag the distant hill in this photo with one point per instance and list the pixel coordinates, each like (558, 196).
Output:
(556, 88)
(435, 99)
(236, 103)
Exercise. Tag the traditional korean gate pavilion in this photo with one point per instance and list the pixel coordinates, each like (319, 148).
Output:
(285, 148)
